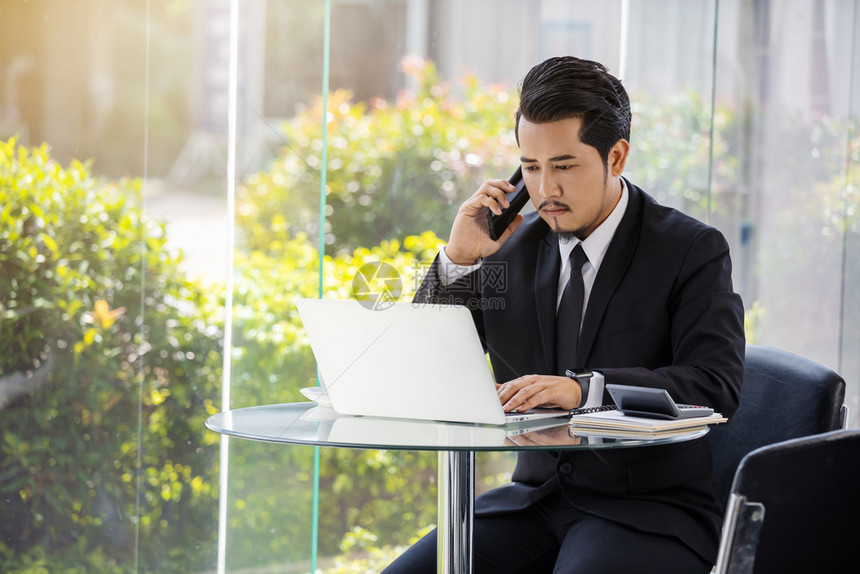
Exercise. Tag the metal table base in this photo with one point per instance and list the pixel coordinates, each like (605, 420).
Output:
(456, 500)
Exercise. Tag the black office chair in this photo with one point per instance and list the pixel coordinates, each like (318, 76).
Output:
(784, 396)
(794, 508)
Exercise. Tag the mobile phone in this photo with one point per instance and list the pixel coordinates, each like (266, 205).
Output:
(517, 200)
(653, 403)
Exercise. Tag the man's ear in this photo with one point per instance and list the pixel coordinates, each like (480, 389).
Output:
(618, 157)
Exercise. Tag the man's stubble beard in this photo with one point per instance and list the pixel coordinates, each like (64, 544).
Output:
(566, 235)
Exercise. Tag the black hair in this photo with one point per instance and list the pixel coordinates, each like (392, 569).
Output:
(566, 87)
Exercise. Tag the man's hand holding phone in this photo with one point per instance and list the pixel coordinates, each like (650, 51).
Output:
(471, 238)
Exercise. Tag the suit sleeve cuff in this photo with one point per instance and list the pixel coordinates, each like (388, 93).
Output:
(449, 271)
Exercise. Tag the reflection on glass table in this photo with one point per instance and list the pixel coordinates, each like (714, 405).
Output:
(312, 425)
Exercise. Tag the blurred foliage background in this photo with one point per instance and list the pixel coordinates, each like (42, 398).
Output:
(111, 359)
(395, 168)
(105, 446)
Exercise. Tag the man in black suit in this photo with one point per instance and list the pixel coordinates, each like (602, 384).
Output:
(601, 281)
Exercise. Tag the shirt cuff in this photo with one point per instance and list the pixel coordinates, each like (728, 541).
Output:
(595, 391)
(450, 271)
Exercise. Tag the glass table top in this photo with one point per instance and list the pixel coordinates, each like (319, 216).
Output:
(308, 424)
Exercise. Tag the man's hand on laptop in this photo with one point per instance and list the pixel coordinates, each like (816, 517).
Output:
(531, 391)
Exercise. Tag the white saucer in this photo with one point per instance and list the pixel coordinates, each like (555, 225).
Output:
(317, 395)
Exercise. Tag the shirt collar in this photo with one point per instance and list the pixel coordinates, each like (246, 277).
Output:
(597, 243)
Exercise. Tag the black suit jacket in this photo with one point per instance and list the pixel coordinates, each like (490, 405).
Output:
(662, 313)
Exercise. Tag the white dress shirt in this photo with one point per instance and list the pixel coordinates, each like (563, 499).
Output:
(595, 247)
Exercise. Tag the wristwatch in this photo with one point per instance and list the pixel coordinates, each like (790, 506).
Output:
(583, 377)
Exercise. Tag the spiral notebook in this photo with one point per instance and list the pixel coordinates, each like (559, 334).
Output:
(610, 418)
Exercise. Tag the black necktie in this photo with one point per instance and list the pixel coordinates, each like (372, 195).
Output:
(568, 319)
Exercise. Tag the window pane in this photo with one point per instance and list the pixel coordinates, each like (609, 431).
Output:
(105, 466)
(270, 488)
(731, 124)
(113, 342)
(785, 77)
(849, 363)
(669, 78)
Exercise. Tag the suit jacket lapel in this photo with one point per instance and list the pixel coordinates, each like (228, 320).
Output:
(612, 269)
(547, 269)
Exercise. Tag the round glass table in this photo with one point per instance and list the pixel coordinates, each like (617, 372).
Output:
(312, 425)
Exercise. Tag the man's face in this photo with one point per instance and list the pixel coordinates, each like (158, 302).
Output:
(569, 184)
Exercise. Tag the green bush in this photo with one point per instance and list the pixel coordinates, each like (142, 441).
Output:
(394, 168)
(93, 287)
(90, 284)
(109, 451)
(383, 492)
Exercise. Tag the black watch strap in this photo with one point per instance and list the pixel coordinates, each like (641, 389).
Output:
(583, 377)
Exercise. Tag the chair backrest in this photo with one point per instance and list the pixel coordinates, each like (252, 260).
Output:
(794, 507)
(784, 396)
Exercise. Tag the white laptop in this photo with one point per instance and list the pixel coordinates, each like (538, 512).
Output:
(406, 361)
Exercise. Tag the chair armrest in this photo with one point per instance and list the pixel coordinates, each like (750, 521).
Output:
(740, 536)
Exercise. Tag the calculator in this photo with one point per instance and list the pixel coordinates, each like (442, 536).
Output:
(653, 403)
